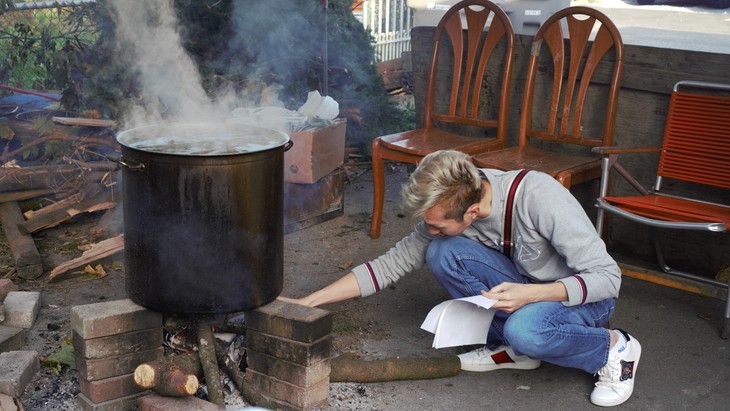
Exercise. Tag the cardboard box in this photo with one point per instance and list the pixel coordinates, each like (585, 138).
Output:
(306, 205)
(315, 153)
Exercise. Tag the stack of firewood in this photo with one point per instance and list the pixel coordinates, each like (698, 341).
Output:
(73, 176)
(195, 356)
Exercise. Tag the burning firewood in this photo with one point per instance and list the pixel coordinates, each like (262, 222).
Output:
(209, 363)
(170, 376)
(349, 368)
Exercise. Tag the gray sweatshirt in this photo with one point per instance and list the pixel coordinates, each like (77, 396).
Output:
(553, 241)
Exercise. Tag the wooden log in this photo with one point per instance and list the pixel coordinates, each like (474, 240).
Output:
(24, 194)
(103, 200)
(170, 376)
(209, 363)
(348, 367)
(58, 205)
(98, 251)
(28, 178)
(87, 122)
(25, 254)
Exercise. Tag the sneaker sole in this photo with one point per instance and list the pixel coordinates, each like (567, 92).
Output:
(523, 365)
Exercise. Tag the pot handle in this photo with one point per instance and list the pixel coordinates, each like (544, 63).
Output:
(289, 144)
(129, 165)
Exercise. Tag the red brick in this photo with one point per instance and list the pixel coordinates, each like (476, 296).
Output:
(154, 402)
(303, 376)
(109, 388)
(101, 368)
(119, 344)
(257, 398)
(6, 286)
(112, 317)
(304, 398)
(289, 350)
(291, 321)
(120, 404)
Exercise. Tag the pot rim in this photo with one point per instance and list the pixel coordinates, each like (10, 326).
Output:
(247, 136)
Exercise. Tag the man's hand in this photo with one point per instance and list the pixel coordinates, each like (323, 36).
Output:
(511, 297)
(300, 301)
(342, 289)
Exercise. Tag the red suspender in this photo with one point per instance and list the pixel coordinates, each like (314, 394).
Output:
(508, 208)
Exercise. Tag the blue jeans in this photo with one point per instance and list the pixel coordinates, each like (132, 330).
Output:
(549, 331)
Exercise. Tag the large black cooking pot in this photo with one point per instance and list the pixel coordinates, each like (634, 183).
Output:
(203, 216)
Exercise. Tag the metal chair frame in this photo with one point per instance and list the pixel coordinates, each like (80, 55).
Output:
(695, 149)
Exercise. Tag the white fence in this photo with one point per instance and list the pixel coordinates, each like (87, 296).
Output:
(390, 22)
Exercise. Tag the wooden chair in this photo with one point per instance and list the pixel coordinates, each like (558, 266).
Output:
(578, 101)
(695, 154)
(471, 51)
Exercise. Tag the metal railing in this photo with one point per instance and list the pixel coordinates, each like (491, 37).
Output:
(390, 22)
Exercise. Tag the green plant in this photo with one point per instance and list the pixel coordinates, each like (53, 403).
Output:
(41, 48)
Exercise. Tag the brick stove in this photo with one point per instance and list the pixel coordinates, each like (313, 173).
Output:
(288, 354)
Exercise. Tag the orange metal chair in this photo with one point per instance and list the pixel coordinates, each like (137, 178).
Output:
(696, 150)
(469, 51)
(578, 113)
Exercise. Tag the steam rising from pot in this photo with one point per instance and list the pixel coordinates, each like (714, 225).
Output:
(149, 40)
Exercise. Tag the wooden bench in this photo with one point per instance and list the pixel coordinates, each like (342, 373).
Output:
(695, 151)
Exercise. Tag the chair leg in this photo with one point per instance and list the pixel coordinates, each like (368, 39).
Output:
(725, 326)
(725, 333)
(378, 190)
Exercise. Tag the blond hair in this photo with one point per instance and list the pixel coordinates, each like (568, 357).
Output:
(447, 178)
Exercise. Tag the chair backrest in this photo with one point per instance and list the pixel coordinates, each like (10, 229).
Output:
(696, 145)
(472, 49)
(564, 97)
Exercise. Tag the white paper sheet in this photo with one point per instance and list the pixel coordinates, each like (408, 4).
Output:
(463, 321)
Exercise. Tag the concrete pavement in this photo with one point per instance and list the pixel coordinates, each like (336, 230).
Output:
(685, 364)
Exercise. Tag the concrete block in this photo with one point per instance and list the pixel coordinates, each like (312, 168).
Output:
(11, 338)
(120, 344)
(6, 286)
(119, 404)
(300, 375)
(292, 321)
(303, 398)
(154, 402)
(101, 368)
(21, 308)
(109, 388)
(17, 368)
(112, 317)
(289, 350)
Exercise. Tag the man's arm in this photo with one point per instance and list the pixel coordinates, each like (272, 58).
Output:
(512, 296)
(342, 289)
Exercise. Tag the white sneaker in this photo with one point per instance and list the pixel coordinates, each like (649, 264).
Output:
(483, 359)
(616, 379)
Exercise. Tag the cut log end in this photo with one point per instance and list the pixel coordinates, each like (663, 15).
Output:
(144, 376)
(189, 386)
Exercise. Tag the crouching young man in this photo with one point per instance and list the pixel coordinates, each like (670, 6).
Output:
(554, 283)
